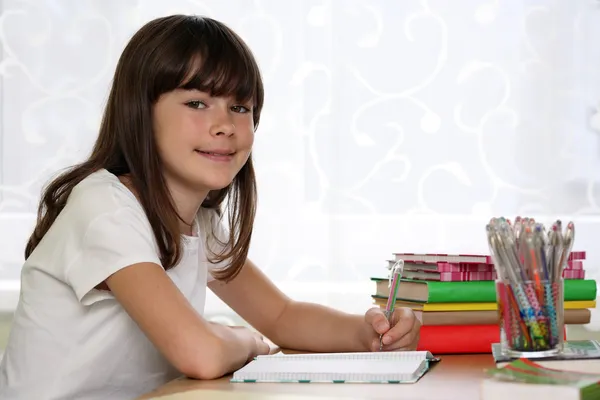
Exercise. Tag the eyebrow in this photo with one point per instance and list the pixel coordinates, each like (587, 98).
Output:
(184, 90)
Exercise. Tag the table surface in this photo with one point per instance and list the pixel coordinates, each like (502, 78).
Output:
(455, 377)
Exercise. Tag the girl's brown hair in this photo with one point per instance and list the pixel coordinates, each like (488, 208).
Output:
(167, 53)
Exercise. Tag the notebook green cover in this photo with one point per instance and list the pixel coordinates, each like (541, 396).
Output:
(478, 291)
(523, 376)
(368, 367)
(573, 350)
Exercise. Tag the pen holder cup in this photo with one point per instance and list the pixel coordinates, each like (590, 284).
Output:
(531, 317)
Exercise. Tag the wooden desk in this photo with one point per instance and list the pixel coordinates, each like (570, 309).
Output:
(455, 377)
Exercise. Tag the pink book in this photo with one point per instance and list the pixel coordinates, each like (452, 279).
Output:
(574, 274)
(450, 276)
(445, 267)
(574, 264)
(575, 259)
(577, 255)
(465, 267)
(449, 258)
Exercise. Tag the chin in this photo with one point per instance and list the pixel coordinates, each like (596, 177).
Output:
(212, 184)
(216, 186)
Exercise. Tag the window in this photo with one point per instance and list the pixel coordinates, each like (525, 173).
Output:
(388, 126)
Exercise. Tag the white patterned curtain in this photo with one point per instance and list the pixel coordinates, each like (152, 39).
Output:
(389, 125)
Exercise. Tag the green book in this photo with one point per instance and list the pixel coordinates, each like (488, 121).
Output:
(575, 352)
(471, 291)
(524, 378)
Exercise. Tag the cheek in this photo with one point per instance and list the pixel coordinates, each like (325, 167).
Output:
(176, 134)
(250, 139)
(246, 136)
(245, 130)
(245, 142)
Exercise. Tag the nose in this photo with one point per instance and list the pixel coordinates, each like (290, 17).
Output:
(222, 126)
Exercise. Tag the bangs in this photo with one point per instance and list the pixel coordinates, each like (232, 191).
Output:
(207, 56)
(222, 76)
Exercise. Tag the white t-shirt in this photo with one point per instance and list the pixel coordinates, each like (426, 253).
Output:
(71, 341)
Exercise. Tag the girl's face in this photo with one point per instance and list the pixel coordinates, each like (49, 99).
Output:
(203, 141)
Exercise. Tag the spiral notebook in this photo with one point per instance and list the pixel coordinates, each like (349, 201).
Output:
(376, 367)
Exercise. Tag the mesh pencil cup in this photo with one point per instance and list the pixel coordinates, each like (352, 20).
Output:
(531, 317)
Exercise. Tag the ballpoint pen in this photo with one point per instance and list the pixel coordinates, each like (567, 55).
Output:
(567, 246)
(395, 276)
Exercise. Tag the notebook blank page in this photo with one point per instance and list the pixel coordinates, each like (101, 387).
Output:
(386, 355)
(330, 370)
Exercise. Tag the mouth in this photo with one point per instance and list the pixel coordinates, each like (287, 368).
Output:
(216, 155)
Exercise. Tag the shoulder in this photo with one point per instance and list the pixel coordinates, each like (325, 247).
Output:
(108, 230)
(100, 209)
(100, 200)
(101, 193)
(102, 229)
(103, 207)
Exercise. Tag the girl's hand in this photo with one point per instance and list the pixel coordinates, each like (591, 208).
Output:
(401, 334)
(253, 341)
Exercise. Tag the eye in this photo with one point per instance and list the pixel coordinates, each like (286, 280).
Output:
(240, 109)
(195, 104)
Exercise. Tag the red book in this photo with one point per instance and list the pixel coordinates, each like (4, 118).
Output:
(459, 339)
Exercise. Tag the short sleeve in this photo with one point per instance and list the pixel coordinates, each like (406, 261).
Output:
(111, 242)
(217, 239)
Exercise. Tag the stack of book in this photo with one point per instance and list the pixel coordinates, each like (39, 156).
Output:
(455, 298)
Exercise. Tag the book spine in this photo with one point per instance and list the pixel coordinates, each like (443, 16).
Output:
(467, 276)
(463, 258)
(574, 264)
(465, 339)
(465, 267)
(577, 255)
(574, 274)
(462, 339)
(432, 318)
(461, 292)
(485, 291)
(462, 267)
(449, 276)
(435, 258)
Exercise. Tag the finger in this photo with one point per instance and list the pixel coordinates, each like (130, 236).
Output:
(263, 347)
(376, 318)
(407, 343)
(375, 344)
(405, 327)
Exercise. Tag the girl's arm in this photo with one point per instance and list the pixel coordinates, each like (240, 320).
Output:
(291, 324)
(194, 346)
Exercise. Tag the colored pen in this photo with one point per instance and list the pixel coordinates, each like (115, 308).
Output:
(395, 277)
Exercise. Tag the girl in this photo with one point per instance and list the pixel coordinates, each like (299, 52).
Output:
(114, 282)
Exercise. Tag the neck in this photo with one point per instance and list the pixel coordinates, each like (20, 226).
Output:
(187, 203)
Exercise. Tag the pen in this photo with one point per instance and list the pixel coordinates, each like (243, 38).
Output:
(530, 261)
(567, 242)
(395, 276)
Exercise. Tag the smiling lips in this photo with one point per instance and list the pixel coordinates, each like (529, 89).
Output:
(222, 155)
